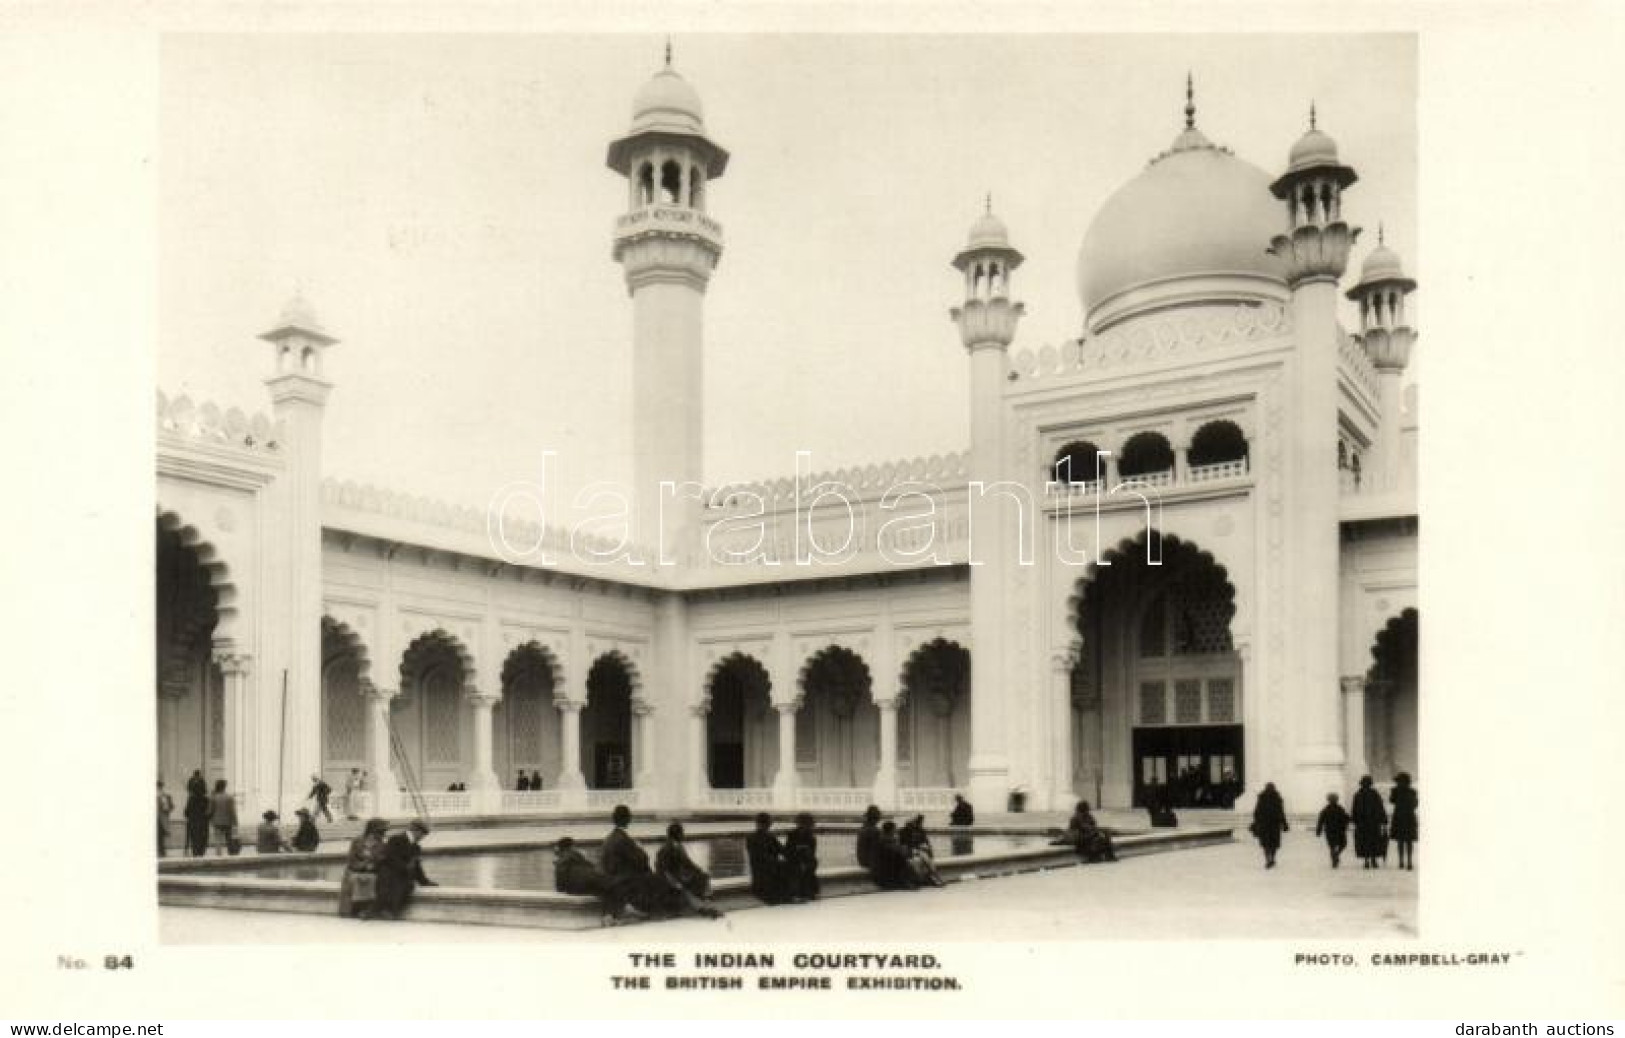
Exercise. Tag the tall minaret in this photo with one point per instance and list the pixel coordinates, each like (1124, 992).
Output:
(299, 400)
(1314, 252)
(1387, 336)
(668, 247)
(987, 325)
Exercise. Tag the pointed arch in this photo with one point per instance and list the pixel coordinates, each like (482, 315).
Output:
(423, 649)
(208, 557)
(533, 655)
(741, 726)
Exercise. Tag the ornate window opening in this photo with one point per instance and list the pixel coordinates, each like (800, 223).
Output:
(671, 183)
(1145, 454)
(1217, 443)
(1078, 463)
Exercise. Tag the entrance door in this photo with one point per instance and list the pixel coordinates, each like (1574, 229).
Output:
(610, 766)
(1191, 761)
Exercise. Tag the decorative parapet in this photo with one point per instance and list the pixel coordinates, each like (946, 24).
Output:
(1152, 339)
(206, 423)
(1354, 361)
(944, 470)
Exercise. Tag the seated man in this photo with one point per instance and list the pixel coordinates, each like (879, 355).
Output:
(1092, 843)
(308, 838)
(891, 869)
(626, 867)
(268, 838)
(963, 813)
(673, 864)
(400, 870)
(770, 869)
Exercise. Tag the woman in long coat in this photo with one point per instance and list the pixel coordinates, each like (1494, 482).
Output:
(359, 887)
(1402, 827)
(197, 819)
(1369, 818)
(1269, 822)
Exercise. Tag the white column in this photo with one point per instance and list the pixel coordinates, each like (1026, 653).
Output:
(699, 780)
(989, 756)
(784, 783)
(1391, 404)
(1061, 795)
(571, 783)
(1353, 730)
(234, 668)
(1381, 761)
(482, 781)
(381, 782)
(885, 789)
(643, 749)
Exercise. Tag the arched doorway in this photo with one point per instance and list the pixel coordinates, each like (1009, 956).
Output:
(606, 724)
(933, 723)
(190, 688)
(525, 726)
(838, 725)
(1391, 698)
(741, 728)
(427, 716)
(1156, 692)
(345, 673)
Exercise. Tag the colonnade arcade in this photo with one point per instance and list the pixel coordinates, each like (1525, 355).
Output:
(1155, 679)
(836, 739)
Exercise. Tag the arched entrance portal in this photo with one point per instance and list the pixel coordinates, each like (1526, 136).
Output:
(344, 707)
(1391, 699)
(606, 724)
(428, 714)
(838, 725)
(933, 724)
(525, 726)
(1156, 693)
(741, 728)
(190, 688)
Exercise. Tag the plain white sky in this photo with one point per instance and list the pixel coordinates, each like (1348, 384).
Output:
(443, 202)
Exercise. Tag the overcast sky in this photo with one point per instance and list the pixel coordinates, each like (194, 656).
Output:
(444, 204)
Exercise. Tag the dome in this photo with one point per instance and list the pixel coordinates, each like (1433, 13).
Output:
(1312, 149)
(666, 102)
(1194, 226)
(1382, 265)
(988, 232)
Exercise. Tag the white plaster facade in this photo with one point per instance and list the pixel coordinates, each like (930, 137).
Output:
(1264, 452)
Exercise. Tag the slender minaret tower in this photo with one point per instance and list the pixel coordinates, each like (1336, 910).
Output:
(299, 401)
(1387, 337)
(1314, 253)
(668, 247)
(987, 324)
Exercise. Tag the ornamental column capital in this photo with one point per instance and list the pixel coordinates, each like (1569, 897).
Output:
(787, 706)
(1353, 683)
(232, 661)
(480, 699)
(373, 692)
(566, 705)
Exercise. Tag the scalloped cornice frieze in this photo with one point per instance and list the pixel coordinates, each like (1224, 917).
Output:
(1152, 339)
(875, 478)
(207, 423)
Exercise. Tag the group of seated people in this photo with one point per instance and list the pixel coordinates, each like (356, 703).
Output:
(626, 884)
(897, 859)
(382, 870)
(268, 838)
(787, 872)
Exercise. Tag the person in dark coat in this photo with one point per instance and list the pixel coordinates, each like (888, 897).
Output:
(891, 869)
(1370, 819)
(632, 881)
(319, 792)
(770, 870)
(268, 837)
(868, 836)
(673, 864)
(1402, 827)
(1092, 843)
(574, 874)
(522, 784)
(1269, 822)
(535, 781)
(358, 888)
(801, 848)
(197, 785)
(197, 816)
(963, 813)
(917, 845)
(400, 870)
(1333, 823)
(306, 838)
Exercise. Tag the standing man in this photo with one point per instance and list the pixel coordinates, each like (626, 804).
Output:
(166, 807)
(352, 786)
(319, 792)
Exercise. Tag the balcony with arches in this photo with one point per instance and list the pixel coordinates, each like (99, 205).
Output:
(1215, 454)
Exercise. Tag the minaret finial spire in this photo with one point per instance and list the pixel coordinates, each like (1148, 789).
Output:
(668, 51)
(1311, 115)
(1190, 102)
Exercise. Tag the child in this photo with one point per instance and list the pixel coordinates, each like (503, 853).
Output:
(1334, 823)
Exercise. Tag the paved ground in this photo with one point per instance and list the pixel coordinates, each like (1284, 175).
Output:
(1212, 892)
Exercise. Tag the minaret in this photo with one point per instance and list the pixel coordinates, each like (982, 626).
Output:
(668, 247)
(299, 400)
(987, 324)
(1387, 336)
(1314, 253)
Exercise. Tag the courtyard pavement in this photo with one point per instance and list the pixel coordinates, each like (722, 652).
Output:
(1207, 893)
